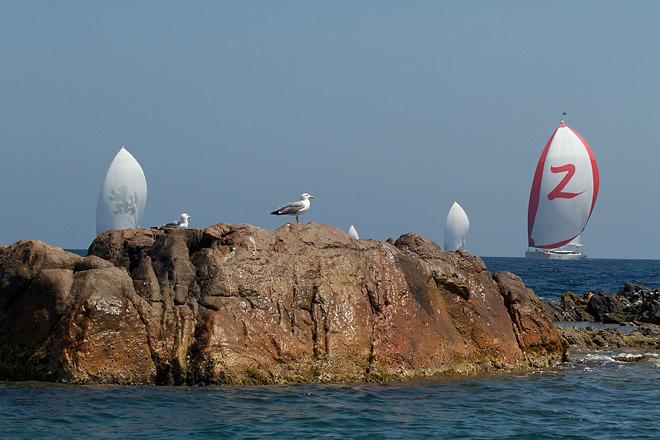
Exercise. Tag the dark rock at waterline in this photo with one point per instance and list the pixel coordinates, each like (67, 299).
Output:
(571, 308)
(644, 302)
(574, 307)
(633, 303)
(242, 305)
(607, 307)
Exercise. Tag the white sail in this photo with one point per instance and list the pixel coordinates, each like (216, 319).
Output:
(577, 241)
(352, 232)
(123, 194)
(564, 190)
(456, 228)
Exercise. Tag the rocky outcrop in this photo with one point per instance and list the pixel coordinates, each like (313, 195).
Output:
(634, 303)
(235, 304)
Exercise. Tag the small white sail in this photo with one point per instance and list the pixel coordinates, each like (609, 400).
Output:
(564, 190)
(123, 194)
(456, 228)
(352, 232)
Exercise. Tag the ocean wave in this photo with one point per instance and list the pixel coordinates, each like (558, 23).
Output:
(594, 358)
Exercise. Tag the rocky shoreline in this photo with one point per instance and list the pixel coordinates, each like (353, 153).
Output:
(634, 309)
(594, 338)
(633, 303)
(236, 304)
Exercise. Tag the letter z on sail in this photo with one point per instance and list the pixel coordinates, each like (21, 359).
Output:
(558, 192)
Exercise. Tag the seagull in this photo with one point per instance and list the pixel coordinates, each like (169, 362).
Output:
(352, 232)
(181, 223)
(295, 208)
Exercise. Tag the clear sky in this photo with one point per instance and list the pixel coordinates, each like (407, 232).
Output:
(386, 111)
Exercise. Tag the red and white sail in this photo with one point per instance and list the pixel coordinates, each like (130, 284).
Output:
(564, 190)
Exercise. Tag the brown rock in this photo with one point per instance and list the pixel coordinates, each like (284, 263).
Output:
(574, 307)
(537, 336)
(242, 305)
(106, 340)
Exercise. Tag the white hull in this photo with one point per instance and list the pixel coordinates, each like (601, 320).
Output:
(551, 255)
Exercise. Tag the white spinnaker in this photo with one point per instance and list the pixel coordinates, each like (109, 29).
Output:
(566, 193)
(352, 232)
(123, 194)
(456, 228)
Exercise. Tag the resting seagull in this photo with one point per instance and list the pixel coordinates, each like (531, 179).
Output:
(295, 208)
(181, 223)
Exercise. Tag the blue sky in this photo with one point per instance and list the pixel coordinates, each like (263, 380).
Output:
(386, 111)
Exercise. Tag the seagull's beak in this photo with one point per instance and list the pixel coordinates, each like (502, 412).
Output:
(311, 196)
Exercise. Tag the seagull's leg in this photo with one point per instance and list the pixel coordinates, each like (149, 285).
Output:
(297, 221)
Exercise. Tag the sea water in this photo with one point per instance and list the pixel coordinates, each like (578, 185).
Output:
(549, 278)
(596, 395)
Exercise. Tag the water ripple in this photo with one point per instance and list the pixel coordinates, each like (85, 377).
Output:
(595, 399)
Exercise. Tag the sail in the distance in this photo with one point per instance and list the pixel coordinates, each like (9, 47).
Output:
(564, 190)
(456, 228)
(123, 194)
(352, 232)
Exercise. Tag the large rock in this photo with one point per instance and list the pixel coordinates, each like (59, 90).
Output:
(241, 305)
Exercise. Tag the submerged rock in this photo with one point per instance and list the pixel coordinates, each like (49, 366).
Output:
(235, 304)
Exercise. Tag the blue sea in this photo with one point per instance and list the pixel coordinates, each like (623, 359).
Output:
(594, 396)
(549, 278)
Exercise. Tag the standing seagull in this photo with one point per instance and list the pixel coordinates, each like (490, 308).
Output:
(295, 208)
(181, 223)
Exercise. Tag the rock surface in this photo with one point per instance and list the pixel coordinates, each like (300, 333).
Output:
(634, 303)
(589, 338)
(235, 304)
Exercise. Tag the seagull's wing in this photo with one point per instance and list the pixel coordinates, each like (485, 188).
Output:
(289, 208)
(170, 225)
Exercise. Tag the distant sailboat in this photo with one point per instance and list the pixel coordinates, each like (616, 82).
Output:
(123, 194)
(563, 196)
(352, 232)
(456, 228)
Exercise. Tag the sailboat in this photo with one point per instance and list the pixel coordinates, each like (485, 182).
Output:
(123, 194)
(563, 195)
(456, 228)
(353, 233)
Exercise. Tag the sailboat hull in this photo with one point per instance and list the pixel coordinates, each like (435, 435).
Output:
(552, 255)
